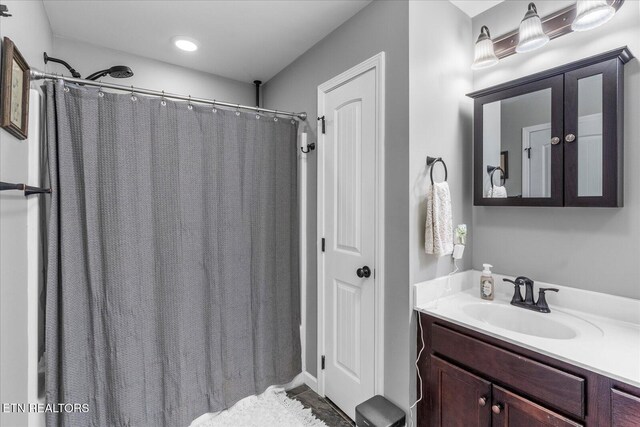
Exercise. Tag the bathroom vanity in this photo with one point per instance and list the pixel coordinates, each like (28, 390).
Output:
(490, 363)
(554, 138)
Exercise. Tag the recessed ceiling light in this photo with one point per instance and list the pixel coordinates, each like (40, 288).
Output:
(185, 43)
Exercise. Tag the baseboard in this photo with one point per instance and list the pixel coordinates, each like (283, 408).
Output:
(310, 381)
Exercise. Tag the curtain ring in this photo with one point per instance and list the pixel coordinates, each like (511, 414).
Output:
(189, 106)
(133, 94)
(100, 92)
(214, 109)
(275, 116)
(163, 102)
(237, 109)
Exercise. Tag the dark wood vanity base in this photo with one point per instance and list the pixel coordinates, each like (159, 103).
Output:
(471, 379)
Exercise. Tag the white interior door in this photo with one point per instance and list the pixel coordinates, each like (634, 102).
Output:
(590, 155)
(348, 216)
(536, 161)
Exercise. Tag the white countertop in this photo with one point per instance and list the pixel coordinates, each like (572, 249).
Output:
(607, 327)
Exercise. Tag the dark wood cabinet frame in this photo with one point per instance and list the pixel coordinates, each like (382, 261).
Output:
(612, 72)
(563, 82)
(599, 402)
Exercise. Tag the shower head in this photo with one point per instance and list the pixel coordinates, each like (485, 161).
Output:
(117, 72)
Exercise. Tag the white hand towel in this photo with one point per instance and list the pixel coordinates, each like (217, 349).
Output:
(498, 192)
(438, 235)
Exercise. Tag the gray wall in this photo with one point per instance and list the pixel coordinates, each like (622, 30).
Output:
(381, 26)
(29, 30)
(590, 248)
(148, 73)
(440, 55)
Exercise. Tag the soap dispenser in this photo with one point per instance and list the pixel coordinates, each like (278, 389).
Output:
(486, 282)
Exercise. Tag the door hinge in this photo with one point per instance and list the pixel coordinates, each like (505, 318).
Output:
(323, 124)
(4, 12)
(322, 362)
(322, 244)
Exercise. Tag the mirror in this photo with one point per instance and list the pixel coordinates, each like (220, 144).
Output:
(590, 136)
(517, 146)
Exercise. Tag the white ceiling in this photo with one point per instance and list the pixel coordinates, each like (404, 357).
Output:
(475, 7)
(243, 40)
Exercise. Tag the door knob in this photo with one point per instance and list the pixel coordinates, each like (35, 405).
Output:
(555, 140)
(497, 408)
(482, 401)
(363, 272)
(570, 138)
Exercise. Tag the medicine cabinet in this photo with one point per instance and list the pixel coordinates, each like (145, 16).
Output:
(554, 138)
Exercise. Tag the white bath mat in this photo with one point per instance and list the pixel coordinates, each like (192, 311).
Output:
(271, 408)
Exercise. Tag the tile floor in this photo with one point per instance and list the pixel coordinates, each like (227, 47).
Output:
(322, 408)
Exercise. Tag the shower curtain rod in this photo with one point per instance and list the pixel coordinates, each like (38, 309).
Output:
(39, 75)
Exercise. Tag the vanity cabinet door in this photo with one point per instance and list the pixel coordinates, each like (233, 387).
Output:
(625, 409)
(593, 135)
(458, 398)
(511, 410)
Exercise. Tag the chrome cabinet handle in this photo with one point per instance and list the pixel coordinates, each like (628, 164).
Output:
(555, 140)
(570, 137)
(482, 401)
(497, 408)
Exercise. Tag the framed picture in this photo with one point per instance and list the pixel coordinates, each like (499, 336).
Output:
(504, 163)
(14, 91)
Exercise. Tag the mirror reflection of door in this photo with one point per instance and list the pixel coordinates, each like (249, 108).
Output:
(536, 161)
(521, 126)
(590, 155)
(589, 140)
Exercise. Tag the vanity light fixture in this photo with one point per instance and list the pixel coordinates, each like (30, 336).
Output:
(591, 14)
(485, 56)
(185, 43)
(532, 35)
(535, 31)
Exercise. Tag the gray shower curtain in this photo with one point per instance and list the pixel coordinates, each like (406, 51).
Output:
(173, 258)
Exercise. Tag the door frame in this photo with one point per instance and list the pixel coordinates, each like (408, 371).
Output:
(526, 140)
(376, 63)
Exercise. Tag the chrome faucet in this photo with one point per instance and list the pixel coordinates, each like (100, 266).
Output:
(528, 302)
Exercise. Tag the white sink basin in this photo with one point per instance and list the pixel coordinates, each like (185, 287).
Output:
(555, 325)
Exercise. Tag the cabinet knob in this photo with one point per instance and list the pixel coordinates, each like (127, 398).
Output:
(482, 401)
(570, 137)
(555, 140)
(497, 408)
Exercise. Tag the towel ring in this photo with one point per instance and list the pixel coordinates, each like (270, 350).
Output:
(491, 170)
(431, 161)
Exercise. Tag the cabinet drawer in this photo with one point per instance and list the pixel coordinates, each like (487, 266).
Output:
(557, 389)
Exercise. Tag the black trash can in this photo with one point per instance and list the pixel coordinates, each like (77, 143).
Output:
(379, 412)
